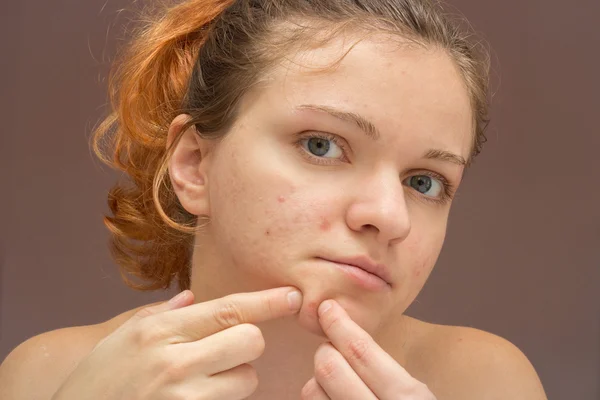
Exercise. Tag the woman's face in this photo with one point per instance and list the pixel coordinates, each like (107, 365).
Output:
(297, 181)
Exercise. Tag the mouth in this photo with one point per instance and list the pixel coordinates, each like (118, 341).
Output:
(364, 272)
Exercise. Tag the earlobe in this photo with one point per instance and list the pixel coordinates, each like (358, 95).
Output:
(187, 167)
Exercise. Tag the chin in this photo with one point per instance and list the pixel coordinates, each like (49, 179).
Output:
(363, 315)
(308, 318)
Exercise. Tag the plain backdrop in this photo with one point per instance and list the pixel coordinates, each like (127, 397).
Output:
(522, 255)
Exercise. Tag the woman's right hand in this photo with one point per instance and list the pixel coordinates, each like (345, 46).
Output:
(180, 350)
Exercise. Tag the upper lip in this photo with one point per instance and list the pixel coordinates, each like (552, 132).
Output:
(367, 264)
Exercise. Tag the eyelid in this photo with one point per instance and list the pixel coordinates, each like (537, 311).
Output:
(338, 140)
(448, 189)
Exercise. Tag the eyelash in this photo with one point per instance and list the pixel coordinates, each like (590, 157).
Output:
(324, 136)
(447, 190)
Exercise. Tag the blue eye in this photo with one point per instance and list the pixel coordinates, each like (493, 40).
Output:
(322, 147)
(424, 183)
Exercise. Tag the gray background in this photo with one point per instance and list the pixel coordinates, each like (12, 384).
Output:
(522, 256)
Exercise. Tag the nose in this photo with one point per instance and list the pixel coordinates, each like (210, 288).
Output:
(379, 205)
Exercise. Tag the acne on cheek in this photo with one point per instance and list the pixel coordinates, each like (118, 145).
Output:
(281, 200)
(325, 225)
(420, 267)
(424, 266)
(311, 307)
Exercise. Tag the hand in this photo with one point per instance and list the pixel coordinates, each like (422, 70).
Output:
(354, 367)
(180, 350)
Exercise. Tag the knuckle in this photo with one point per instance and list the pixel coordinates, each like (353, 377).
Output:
(325, 369)
(174, 371)
(167, 369)
(228, 315)
(358, 350)
(146, 332)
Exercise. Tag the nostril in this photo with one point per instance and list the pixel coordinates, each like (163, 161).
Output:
(370, 227)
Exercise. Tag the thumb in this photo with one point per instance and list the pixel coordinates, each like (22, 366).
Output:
(180, 300)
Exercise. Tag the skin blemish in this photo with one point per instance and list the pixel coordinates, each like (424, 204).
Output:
(281, 199)
(267, 232)
(325, 224)
(312, 307)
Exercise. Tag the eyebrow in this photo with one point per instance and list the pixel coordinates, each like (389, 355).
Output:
(364, 124)
(372, 132)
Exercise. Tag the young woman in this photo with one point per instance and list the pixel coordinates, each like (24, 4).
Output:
(292, 165)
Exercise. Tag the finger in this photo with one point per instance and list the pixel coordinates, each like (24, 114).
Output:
(336, 376)
(221, 351)
(313, 391)
(180, 300)
(237, 383)
(380, 372)
(204, 319)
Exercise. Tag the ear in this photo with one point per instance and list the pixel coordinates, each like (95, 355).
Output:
(188, 167)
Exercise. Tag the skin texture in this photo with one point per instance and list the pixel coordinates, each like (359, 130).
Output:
(274, 208)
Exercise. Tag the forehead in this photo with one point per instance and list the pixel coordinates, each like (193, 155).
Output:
(407, 91)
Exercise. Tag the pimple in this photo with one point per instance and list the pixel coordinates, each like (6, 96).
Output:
(312, 306)
(325, 224)
(281, 199)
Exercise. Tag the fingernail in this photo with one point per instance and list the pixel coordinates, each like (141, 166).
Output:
(324, 307)
(294, 300)
(179, 297)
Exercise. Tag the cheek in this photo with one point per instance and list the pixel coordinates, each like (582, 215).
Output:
(423, 253)
(324, 224)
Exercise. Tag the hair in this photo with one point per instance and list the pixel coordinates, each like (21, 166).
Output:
(200, 57)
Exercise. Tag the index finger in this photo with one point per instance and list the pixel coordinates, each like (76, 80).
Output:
(377, 369)
(200, 320)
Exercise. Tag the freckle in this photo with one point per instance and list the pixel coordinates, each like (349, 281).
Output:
(325, 225)
(267, 232)
(281, 199)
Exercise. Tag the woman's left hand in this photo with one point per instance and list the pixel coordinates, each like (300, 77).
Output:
(354, 367)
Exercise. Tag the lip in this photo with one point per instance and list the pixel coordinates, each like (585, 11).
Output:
(366, 264)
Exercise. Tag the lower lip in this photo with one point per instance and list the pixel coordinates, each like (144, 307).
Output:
(362, 278)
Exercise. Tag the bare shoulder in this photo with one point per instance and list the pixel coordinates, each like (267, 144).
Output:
(458, 362)
(38, 366)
